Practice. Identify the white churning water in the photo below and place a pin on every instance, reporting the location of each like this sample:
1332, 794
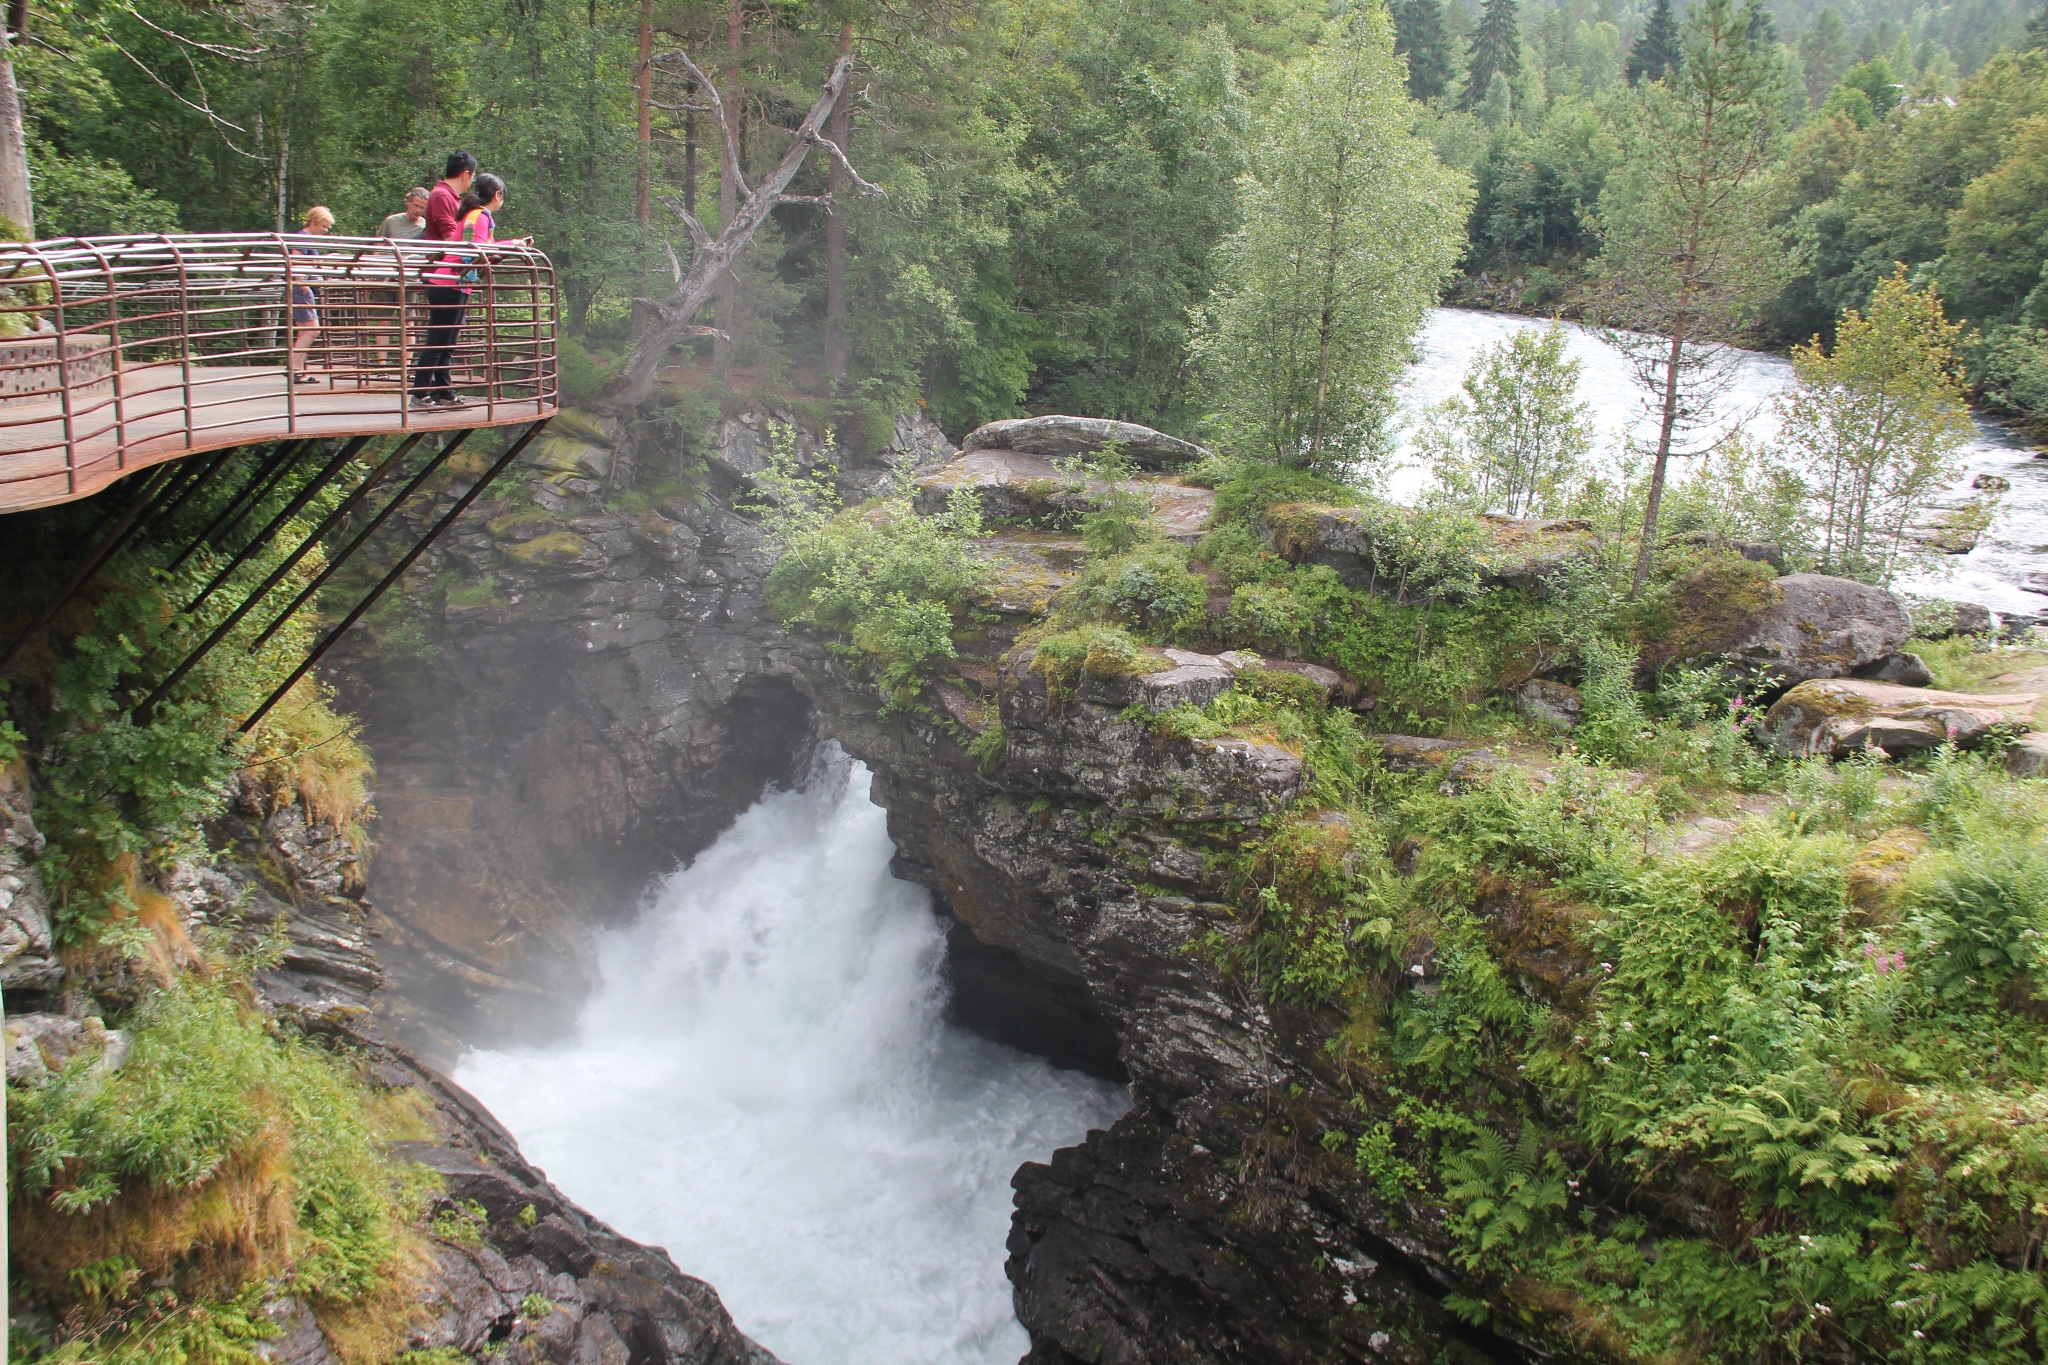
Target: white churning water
2008, 571
765, 1085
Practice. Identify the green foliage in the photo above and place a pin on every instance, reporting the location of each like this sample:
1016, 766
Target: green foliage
81, 197
1613, 724
1349, 230
880, 576
207, 1085
1505, 1197
1150, 588
1979, 917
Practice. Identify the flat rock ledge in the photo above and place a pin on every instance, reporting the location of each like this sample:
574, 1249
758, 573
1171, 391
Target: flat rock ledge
1839, 716
1056, 436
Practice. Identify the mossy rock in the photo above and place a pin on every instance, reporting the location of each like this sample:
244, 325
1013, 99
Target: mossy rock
555, 550
522, 525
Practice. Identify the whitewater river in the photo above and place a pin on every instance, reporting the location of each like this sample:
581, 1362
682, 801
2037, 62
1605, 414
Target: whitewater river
765, 1083
766, 1086
2012, 555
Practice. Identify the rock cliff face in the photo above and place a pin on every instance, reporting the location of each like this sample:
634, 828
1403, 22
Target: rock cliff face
617, 706
1208, 1225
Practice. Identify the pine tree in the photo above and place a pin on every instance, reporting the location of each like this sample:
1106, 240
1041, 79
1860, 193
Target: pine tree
1419, 36
2037, 30
1688, 250
1496, 47
1656, 53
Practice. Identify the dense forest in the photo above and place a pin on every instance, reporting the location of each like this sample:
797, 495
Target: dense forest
1060, 173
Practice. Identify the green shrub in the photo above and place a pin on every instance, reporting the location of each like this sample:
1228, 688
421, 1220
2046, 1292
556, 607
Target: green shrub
221, 1148
1149, 588
1612, 724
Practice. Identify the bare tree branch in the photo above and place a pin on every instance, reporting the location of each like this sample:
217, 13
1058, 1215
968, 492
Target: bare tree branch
728, 133
674, 319
233, 54
831, 149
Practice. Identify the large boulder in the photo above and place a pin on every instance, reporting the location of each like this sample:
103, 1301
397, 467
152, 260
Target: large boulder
1782, 631
1838, 716
1056, 436
1518, 552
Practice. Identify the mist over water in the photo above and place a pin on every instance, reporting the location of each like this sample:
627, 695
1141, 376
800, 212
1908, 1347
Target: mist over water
2010, 558
765, 1085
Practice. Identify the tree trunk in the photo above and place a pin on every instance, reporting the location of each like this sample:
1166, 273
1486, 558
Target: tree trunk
675, 318
1646, 552
690, 152
1315, 445
835, 235
728, 200
646, 106
17, 200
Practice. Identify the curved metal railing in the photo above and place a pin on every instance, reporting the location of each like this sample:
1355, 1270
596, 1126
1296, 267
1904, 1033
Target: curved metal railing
122, 352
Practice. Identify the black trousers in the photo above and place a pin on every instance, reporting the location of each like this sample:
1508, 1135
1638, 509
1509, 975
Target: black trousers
445, 307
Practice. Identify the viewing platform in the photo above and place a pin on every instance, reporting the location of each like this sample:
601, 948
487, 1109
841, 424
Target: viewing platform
119, 353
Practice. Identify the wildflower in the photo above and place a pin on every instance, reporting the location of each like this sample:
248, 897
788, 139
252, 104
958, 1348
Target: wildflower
1628, 1026
1919, 1265
1713, 1037
1417, 969
1607, 966
1805, 1240
1918, 1333
1604, 1060
1578, 1040
1644, 1055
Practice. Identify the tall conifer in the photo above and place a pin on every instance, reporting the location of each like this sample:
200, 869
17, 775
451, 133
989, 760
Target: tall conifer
1496, 47
1656, 51
1419, 36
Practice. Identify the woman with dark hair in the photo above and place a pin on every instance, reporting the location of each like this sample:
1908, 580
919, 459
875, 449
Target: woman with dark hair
450, 278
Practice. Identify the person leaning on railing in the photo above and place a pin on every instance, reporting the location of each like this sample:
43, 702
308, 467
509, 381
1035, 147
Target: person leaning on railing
457, 271
445, 304
406, 225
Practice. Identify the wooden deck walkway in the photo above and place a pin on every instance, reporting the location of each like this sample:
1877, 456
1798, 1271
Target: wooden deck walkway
229, 406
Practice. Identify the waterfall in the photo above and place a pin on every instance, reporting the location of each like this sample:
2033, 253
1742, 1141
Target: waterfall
764, 1084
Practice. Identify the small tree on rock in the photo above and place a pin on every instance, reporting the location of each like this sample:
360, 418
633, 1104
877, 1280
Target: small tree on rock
1689, 248
1516, 438
1351, 226
1880, 423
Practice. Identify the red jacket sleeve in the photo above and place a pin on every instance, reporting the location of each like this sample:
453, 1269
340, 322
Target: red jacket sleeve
444, 223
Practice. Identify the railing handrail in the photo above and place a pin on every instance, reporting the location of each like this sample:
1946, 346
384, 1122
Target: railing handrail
104, 339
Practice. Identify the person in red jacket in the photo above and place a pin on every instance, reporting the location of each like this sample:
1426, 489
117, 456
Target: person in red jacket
431, 384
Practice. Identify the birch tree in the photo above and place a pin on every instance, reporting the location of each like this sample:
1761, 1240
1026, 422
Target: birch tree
1688, 246
1518, 436
1351, 226
1879, 423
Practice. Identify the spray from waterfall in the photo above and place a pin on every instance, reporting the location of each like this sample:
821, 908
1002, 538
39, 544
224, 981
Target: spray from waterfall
765, 1085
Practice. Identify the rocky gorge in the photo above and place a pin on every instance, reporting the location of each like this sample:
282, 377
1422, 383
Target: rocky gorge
622, 690
1155, 862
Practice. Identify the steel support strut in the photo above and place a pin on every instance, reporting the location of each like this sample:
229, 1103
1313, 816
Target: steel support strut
267, 473
117, 535
327, 642
277, 576
334, 466
208, 467
335, 562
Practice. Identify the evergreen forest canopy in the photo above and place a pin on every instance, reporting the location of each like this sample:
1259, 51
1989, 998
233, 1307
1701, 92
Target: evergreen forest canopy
1071, 182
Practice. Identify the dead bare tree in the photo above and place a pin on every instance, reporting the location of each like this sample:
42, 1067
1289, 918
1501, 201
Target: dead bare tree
674, 319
